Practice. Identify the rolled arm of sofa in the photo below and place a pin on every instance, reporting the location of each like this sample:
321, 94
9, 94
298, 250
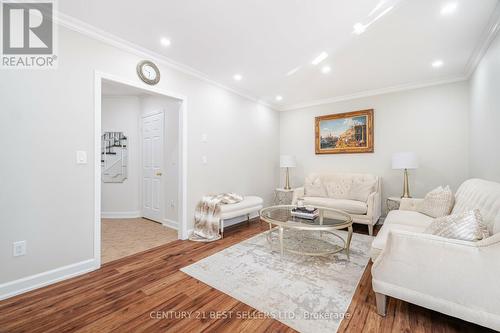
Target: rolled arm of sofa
299, 192
374, 203
410, 204
443, 274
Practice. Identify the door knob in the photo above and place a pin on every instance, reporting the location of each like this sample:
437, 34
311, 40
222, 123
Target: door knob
158, 173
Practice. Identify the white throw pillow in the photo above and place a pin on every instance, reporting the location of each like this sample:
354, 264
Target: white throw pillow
314, 188
361, 189
464, 226
339, 188
438, 202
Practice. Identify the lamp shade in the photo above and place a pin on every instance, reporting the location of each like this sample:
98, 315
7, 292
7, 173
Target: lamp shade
406, 160
287, 161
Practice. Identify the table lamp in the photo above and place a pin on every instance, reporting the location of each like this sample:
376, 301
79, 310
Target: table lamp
287, 161
405, 161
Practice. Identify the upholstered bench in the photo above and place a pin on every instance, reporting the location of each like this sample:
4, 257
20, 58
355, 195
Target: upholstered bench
249, 204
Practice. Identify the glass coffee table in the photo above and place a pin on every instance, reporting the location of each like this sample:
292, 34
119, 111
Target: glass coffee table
329, 221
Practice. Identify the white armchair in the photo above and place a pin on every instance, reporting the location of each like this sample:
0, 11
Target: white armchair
458, 278
365, 212
454, 277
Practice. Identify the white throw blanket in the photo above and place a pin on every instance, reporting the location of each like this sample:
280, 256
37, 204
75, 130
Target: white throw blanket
207, 216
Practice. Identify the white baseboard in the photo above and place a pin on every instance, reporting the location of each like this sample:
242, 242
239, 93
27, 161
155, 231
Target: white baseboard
39, 280
121, 215
171, 224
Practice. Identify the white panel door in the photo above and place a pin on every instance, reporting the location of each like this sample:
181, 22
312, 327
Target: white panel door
152, 166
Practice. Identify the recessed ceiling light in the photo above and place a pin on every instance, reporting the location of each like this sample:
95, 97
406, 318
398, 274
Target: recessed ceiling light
325, 69
437, 63
165, 41
449, 8
279, 98
322, 56
237, 77
359, 28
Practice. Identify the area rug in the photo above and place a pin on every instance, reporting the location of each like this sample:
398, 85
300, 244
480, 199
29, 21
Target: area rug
309, 294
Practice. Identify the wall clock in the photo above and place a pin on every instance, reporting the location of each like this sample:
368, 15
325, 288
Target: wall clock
148, 72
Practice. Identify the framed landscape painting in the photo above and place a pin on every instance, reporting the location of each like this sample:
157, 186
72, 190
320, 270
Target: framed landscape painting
341, 133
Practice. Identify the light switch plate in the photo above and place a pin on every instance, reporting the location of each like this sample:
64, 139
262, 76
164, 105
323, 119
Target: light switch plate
81, 157
204, 138
204, 159
19, 248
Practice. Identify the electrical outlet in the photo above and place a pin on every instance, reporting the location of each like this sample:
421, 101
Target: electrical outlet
172, 204
204, 159
19, 248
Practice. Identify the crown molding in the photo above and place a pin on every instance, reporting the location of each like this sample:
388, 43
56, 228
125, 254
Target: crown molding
488, 36
120, 43
375, 92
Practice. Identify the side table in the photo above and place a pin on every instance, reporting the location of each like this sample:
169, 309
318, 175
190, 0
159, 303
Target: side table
393, 203
282, 196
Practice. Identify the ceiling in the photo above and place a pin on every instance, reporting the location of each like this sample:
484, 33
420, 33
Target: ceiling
263, 40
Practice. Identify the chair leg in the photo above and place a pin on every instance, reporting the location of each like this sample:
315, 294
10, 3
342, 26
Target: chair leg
248, 219
370, 229
381, 300
222, 228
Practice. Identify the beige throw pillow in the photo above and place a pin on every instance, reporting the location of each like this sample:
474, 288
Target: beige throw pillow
339, 189
361, 189
314, 188
464, 226
438, 202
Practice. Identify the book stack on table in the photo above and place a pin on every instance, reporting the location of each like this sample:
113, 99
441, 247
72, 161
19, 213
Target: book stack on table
305, 213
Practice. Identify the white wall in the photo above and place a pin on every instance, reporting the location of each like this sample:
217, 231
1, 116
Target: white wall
46, 115
430, 121
122, 114
485, 116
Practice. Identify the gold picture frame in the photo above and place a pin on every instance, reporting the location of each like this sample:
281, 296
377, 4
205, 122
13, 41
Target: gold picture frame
345, 133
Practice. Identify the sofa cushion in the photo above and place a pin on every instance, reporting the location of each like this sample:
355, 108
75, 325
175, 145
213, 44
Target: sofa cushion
349, 206
438, 202
313, 187
339, 188
247, 202
378, 243
483, 195
361, 189
407, 217
466, 226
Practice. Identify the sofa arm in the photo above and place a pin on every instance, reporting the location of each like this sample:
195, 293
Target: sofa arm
374, 209
299, 192
410, 204
440, 273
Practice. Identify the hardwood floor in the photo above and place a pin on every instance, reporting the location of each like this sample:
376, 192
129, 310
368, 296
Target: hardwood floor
146, 292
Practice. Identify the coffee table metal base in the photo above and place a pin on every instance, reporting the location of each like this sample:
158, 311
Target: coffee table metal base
337, 248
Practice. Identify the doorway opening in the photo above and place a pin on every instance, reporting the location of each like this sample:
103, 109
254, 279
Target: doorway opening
140, 168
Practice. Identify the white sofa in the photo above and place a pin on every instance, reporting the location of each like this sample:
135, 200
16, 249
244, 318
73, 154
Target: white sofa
458, 278
364, 212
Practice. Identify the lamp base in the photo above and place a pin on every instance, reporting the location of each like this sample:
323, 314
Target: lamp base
287, 180
406, 187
